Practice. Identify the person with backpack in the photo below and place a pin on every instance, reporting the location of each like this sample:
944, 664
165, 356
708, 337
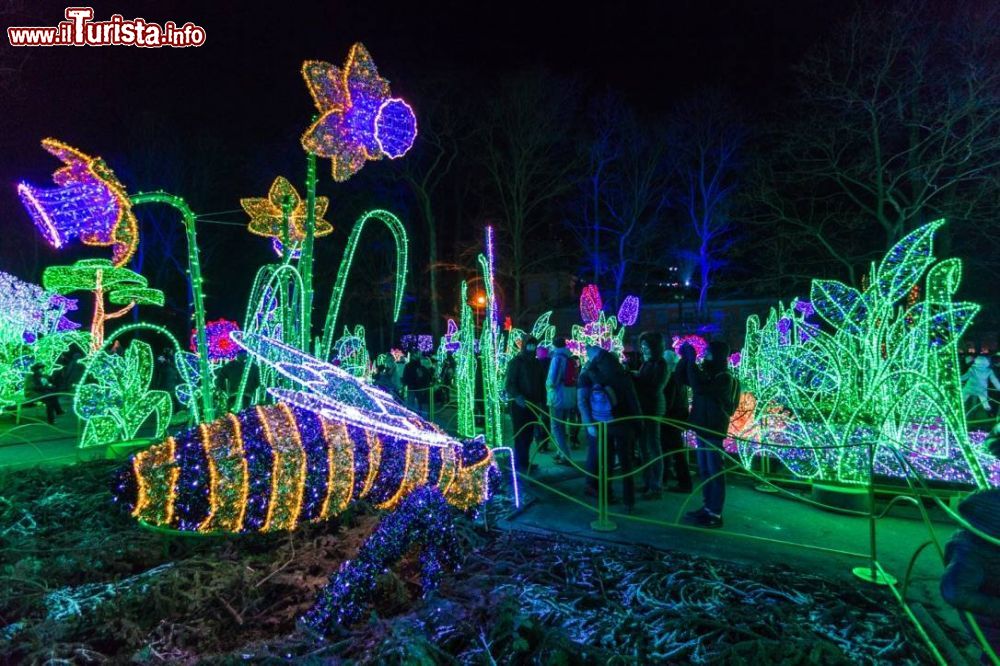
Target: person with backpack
650, 381
716, 393
525, 384
675, 397
560, 390
605, 393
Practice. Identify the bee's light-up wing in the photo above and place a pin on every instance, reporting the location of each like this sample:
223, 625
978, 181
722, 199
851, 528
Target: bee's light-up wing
337, 394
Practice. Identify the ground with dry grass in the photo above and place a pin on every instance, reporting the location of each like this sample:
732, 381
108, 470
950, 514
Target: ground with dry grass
82, 583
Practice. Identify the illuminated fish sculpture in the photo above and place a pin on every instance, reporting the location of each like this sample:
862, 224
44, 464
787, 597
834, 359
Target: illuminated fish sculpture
89, 203
359, 119
332, 442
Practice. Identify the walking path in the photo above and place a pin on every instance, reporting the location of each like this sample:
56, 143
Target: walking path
765, 528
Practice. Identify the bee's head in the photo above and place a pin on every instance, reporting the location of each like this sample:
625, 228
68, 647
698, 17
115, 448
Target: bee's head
476, 468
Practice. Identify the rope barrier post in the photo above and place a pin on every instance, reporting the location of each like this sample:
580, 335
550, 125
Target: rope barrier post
603, 523
872, 573
765, 471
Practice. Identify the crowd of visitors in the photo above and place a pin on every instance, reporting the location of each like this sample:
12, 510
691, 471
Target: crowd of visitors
643, 412
643, 408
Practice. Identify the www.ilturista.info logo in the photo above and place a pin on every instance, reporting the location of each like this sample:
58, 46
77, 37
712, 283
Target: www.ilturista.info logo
80, 30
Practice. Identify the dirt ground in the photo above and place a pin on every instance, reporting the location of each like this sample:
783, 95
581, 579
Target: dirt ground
82, 583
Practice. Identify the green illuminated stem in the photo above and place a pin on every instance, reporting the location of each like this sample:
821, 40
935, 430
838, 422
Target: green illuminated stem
280, 283
399, 235
286, 213
489, 348
306, 257
197, 295
465, 368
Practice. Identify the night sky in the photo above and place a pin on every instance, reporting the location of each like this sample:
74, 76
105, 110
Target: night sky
243, 91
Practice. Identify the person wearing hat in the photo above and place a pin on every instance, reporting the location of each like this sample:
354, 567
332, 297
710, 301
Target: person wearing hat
971, 581
525, 386
716, 393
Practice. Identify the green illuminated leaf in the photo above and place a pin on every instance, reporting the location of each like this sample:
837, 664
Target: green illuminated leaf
943, 279
100, 430
839, 304
139, 356
905, 263
83, 276
140, 295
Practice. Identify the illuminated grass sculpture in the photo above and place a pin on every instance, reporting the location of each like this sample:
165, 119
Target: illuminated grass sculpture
115, 405
33, 329
874, 370
351, 353
489, 348
465, 368
398, 232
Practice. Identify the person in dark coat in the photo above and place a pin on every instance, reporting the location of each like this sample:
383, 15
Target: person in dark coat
525, 384
38, 387
605, 392
675, 397
716, 393
971, 581
650, 381
417, 379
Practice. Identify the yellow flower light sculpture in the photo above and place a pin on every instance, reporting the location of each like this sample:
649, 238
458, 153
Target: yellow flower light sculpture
267, 213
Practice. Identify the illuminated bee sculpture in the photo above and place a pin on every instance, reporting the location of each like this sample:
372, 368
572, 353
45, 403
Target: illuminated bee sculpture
332, 442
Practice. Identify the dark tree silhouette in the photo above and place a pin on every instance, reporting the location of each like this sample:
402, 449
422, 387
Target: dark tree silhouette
897, 123
706, 146
425, 169
528, 160
623, 194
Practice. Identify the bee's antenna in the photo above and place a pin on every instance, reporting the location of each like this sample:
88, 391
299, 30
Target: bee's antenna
513, 472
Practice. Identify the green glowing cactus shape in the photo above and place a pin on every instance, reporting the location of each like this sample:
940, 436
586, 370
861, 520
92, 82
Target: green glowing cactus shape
120, 400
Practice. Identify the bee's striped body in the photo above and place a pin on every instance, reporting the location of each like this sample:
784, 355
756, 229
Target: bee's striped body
273, 467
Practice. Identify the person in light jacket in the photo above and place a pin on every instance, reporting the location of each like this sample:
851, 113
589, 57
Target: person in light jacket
560, 394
